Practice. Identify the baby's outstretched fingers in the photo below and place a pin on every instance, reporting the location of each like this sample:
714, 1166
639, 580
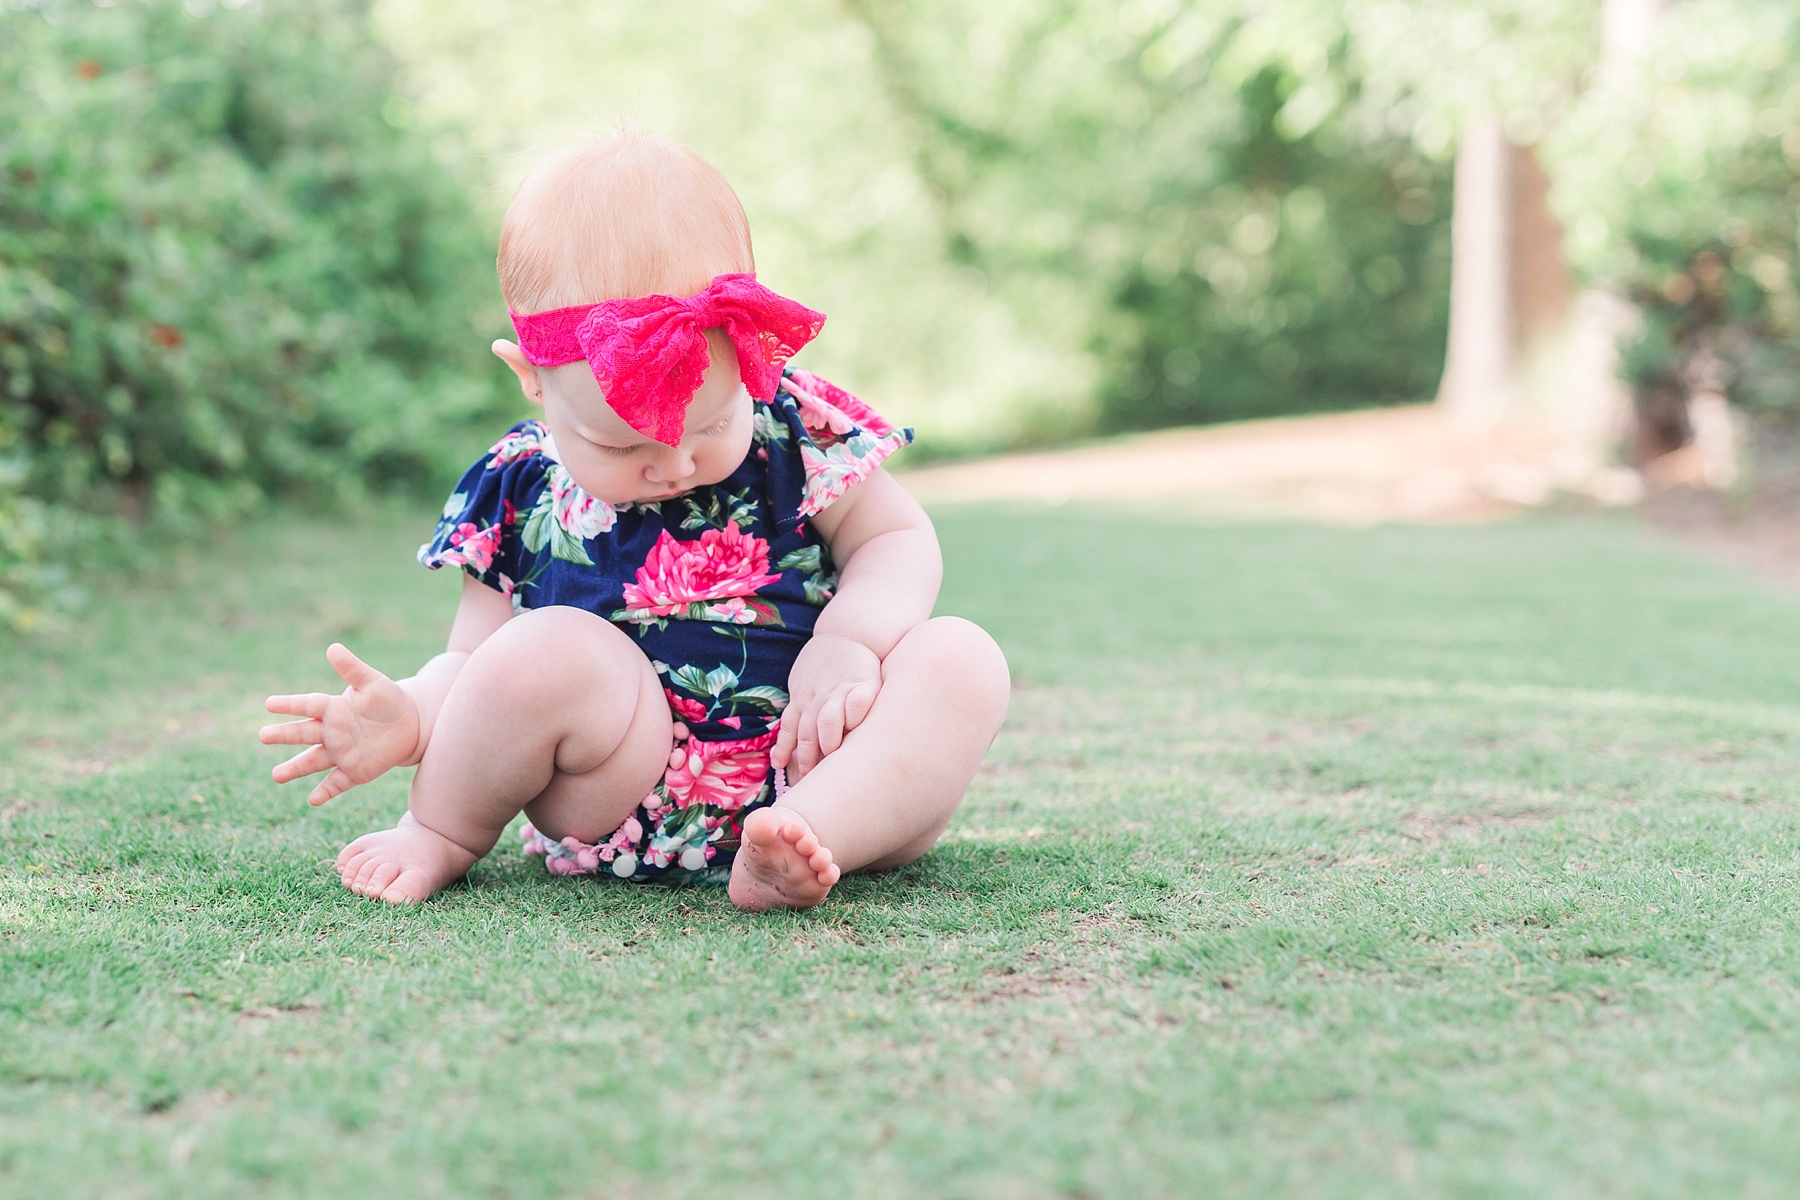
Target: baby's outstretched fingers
334, 784
292, 733
312, 704
366, 731
353, 670
309, 761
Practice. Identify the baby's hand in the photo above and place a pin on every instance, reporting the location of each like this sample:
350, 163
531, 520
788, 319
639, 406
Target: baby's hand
360, 735
830, 690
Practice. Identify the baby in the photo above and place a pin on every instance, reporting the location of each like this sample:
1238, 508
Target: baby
695, 639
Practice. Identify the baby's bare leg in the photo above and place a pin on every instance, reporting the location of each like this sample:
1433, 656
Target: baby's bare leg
886, 794
559, 714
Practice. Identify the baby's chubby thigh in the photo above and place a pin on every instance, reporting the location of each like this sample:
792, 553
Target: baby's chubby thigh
576, 701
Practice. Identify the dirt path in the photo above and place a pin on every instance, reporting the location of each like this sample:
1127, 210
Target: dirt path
1757, 525
1392, 464
1409, 464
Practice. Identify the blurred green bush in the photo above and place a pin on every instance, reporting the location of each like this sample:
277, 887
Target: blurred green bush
1679, 174
1312, 273
1198, 182
228, 271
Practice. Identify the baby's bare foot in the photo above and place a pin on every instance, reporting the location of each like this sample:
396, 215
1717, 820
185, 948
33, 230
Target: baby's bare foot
780, 863
402, 865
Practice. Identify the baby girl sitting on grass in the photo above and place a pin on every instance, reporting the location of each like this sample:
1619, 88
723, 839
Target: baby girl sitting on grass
695, 639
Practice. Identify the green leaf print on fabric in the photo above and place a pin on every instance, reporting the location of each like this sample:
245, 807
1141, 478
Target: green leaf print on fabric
564, 517
763, 695
541, 529
817, 578
719, 509
718, 690
688, 676
770, 429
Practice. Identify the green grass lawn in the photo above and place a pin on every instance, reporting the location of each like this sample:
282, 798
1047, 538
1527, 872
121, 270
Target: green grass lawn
1402, 862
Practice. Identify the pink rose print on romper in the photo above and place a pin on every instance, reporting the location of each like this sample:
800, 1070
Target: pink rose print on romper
575, 510
687, 710
522, 443
823, 405
725, 775
724, 564
472, 547
818, 414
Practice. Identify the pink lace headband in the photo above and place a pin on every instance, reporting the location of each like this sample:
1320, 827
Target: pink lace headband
649, 352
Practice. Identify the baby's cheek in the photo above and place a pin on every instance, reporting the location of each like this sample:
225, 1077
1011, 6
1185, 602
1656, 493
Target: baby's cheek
716, 463
603, 478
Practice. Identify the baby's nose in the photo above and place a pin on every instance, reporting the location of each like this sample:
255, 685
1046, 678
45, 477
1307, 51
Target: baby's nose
671, 467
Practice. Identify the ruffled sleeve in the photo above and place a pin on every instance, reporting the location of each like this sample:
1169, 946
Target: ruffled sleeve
480, 528
821, 442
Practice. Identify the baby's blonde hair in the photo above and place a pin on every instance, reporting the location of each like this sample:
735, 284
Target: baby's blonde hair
628, 215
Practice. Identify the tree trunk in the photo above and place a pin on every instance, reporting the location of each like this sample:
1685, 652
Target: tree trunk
1510, 296
1523, 345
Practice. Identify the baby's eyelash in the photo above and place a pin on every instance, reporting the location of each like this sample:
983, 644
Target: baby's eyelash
716, 428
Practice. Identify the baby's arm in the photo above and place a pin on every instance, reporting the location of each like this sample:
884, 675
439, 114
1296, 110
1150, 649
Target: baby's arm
377, 724
889, 569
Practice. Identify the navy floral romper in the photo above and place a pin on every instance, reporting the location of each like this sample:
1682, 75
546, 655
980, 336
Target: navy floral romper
720, 586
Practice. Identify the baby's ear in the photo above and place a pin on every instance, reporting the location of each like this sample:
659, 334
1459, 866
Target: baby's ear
529, 381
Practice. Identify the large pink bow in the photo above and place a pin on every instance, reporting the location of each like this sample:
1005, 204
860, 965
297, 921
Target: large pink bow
649, 353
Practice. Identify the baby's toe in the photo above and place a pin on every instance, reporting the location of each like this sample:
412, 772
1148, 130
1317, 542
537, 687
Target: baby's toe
762, 828
364, 874
402, 890
378, 881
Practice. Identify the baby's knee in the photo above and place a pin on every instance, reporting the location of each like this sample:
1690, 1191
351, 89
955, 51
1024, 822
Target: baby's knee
542, 645
962, 652
557, 628
961, 640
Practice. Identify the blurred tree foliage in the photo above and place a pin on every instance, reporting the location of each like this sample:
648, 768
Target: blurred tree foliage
224, 272
1312, 274
1679, 174
1239, 244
